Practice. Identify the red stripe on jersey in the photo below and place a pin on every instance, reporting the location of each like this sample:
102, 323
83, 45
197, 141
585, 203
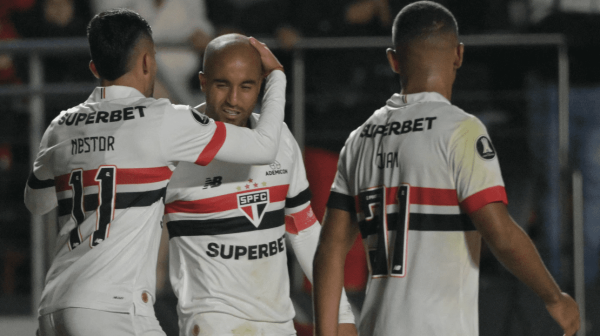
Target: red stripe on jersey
484, 197
215, 143
223, 202
424, 196
300, 220
420, 195
124, 176
433, 196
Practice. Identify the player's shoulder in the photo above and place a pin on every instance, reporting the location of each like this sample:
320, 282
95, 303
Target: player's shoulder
187, 113
378, 117
462, 118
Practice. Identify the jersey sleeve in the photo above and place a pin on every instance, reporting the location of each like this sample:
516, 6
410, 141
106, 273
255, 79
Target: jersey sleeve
40, 194
341, 196
190, 136
258, 145
298, 212
475, 167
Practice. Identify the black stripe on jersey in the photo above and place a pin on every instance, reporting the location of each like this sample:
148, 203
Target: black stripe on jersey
341, 201
425, 222
34, 183
123, 200
299, 199
221, 226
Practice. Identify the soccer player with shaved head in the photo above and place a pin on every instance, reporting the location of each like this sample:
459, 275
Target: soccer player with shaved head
228, 223
420, 181
105, 164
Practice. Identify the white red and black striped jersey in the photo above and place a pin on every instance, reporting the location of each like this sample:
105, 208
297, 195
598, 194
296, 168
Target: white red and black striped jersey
227, 226
106, 164
412, 173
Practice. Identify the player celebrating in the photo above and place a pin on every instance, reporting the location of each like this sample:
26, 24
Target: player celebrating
421, 178
228, 223
106, 164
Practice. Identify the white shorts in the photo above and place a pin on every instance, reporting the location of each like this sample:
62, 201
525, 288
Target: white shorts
217, 324
91, 322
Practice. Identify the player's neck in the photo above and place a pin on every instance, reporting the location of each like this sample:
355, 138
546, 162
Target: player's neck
125, 80
427, 84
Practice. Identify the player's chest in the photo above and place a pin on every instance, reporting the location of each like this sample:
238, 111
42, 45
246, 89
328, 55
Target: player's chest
236, 178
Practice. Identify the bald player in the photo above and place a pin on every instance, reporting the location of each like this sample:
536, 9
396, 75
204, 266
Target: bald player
228, 223
106, 164
420, 181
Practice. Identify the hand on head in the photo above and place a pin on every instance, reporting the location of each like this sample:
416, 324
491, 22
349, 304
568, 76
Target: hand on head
269, 61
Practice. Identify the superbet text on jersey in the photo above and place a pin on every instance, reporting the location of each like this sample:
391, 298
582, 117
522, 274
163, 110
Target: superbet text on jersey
227, 226
412, 173
106, 164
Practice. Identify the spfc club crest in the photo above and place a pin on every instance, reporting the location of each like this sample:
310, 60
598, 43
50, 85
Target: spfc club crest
254, 205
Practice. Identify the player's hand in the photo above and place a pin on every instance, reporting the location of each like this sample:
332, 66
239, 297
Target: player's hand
566, 312
347, 329
269, 61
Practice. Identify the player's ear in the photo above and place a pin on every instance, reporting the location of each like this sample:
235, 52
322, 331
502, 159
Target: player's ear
458, 59
146, 63
93, 69
393, 60
202, 78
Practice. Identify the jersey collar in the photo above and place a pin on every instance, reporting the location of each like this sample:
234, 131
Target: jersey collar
113, 92
398, 100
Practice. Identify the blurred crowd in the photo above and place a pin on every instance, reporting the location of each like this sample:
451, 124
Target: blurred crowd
195, 22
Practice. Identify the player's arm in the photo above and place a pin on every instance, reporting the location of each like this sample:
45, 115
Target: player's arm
480, 187
40, 194
259, 145
303, 230
515, 250
337, 237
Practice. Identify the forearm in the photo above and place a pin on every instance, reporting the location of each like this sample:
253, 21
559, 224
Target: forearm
305, 245
337, 237
520, 256
260, 145
515, 250
327, 289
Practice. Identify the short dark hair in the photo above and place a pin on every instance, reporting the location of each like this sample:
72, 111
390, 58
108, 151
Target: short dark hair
112, 36
421, 20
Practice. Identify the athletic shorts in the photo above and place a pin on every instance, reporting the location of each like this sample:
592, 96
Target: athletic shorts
218, 324
91, 322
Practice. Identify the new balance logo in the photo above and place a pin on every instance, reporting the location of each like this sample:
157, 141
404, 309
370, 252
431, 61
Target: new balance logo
213, 182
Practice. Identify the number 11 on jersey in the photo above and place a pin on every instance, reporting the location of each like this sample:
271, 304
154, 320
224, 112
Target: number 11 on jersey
385, 229
106, 176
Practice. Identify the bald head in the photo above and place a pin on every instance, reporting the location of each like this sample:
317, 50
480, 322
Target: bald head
231, 78
229, 45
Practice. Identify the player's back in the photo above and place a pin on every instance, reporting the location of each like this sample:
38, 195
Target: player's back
423, 253
107, 158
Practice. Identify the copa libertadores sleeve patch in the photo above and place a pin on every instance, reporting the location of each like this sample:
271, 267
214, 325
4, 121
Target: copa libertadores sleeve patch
201, 118
485, 149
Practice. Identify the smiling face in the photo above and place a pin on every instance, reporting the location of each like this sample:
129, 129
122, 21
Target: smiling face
231, 81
